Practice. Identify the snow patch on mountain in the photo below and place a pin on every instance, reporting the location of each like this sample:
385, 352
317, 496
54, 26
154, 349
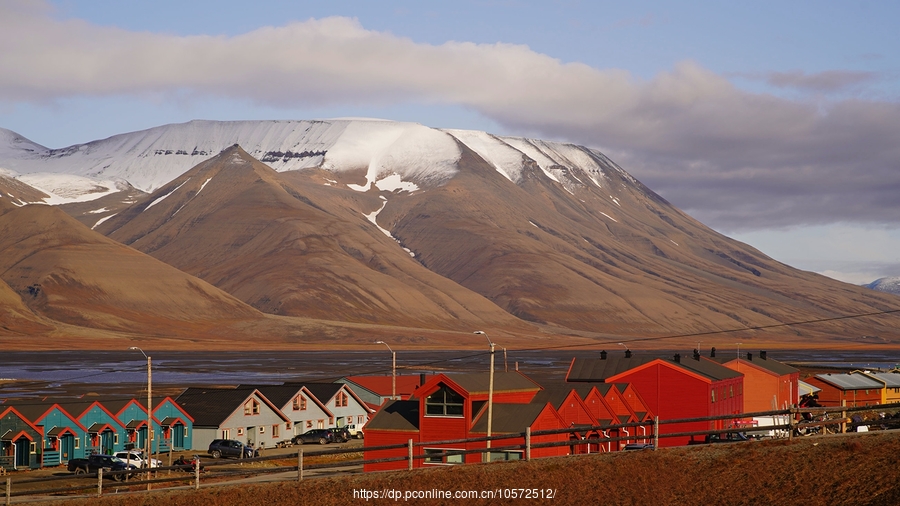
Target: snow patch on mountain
67, 188
160, 199
503, 157
373, 218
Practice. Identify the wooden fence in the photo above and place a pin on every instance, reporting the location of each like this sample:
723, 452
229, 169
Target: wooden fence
224, 471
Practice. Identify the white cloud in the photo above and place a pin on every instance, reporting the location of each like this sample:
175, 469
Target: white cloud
736, 160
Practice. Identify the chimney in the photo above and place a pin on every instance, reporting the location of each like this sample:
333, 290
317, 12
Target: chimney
696, 354
627, 353
712, 352
678, 357
762, 355
749, 357
421, 379
603, 355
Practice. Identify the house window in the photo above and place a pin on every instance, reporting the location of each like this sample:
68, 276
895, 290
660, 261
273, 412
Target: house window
275, 431
185, 432
433, 456
497, 456
287, 426
299, 403
226, 434
320, 424
309, 424
251, 407
340, 401
116, 439
349, 420
731, 391
444, 402
32, 447
359, 420
240, 431
330, 420
77, 443
713, 395
262, 429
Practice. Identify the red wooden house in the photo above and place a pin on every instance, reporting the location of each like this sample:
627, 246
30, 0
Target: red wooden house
454, 407
670, 388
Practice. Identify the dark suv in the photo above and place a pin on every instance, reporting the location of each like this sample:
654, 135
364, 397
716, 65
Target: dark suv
321, 436
231, 448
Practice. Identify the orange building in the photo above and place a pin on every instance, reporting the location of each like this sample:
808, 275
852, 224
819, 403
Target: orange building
768, 384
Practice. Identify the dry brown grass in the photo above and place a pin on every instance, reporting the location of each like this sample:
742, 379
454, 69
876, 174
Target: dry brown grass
856, 469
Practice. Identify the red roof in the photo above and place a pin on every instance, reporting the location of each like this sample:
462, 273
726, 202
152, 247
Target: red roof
381, 385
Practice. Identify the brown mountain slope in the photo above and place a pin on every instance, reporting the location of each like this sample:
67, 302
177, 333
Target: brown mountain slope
18, 193
615, 259
293, 246
65, 272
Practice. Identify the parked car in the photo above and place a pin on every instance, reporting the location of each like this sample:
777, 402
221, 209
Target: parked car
321, 436
355, 432
340, 434
108, 463
727, 437
231, 448
638, 446
136, 457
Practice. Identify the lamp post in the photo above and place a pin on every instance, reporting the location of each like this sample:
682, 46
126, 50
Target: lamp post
393, 369
490, 391
149, 412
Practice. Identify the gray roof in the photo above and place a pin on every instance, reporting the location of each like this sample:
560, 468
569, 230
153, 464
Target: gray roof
478, 382
852, 381
599, 369
396, 415
767, 363
209, 407
891, 379
509, 418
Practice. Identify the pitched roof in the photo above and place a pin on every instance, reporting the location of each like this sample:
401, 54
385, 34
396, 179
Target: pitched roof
396, 415
509, 418
479, 382
851, 381
209, 407
599, 369
381, 385
762, 361
891, 379
281, 395
556, 392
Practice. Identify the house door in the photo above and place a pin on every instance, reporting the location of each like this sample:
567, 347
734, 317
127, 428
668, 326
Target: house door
23, 456
251, 436
178, 436
66, 447
106, 441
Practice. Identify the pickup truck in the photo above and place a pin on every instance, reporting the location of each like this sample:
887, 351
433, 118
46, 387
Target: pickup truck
108, 463
136, 457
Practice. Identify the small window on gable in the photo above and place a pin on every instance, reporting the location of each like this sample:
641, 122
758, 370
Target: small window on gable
444, 402
341, 400
251, 407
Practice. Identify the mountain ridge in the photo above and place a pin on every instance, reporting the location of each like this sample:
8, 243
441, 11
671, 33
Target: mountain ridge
399, 224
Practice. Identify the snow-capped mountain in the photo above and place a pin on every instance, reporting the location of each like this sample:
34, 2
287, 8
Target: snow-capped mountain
889, 285
384, 226
388, 154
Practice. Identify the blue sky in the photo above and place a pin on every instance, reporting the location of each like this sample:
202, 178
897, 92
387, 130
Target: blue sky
773, 122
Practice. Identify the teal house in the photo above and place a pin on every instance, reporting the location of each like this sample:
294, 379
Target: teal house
63, 434
177, 426
105, 433
20, 441
133, 416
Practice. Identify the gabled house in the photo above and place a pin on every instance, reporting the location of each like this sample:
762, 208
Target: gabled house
105, 433
176, 425
769, 385
452, 407
670, 388
345, 406
20, 441
305, 410
133, 415
63, 434
243, 414
847, 389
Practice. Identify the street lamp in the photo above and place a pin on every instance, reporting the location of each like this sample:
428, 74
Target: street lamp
393, 369
149, 415
490, 391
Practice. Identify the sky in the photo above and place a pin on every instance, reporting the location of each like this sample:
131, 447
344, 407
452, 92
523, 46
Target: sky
776, 123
